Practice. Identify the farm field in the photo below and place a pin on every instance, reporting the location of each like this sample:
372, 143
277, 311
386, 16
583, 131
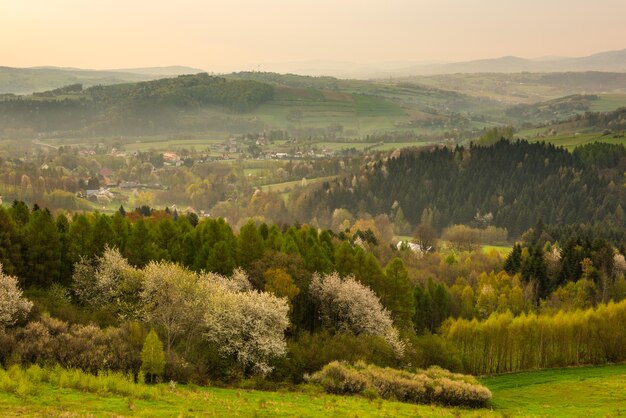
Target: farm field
608, 102
173, 144
575, 392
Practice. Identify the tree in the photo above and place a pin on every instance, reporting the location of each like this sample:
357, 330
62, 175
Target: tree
169, 241
513, 262
43, 249
110, 282
221, 258
402, 226
248, 325
140, 247
12, 305
279, 283
80, 238
153, 357
172, 301
425, 236
461, 237
397, 293
250, 244
346, 305
103, 235
10, 251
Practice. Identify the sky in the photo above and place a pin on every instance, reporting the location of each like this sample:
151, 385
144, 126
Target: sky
220, 35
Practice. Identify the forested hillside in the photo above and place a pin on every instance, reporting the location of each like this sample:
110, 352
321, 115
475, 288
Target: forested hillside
515, 184
134, 109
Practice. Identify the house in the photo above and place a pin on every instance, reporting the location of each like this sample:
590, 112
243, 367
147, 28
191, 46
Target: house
102, 195
171, 157
416, 248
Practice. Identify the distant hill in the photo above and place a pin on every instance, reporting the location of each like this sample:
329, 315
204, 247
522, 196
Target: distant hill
300, 106
613, 61
173, 70
246, 102
29, 80
163, 105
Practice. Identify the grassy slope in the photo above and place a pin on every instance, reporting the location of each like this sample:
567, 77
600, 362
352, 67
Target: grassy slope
212, 402
585, 391
573, 392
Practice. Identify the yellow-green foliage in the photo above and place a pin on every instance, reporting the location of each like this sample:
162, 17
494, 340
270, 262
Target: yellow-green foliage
25, 382
434, 385
505, 343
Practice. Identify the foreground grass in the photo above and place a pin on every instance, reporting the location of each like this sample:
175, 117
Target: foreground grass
50, 401
573, 392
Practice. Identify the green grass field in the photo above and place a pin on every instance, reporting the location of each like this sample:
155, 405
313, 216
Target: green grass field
502, 249
573, 392
608, 102
571, 141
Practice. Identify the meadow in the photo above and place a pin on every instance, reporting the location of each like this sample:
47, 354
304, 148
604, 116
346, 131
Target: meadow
571, 141
573, 392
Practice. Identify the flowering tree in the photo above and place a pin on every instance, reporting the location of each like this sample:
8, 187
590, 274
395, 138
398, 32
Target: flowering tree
247, 324
349, 306
111, 280
12, 305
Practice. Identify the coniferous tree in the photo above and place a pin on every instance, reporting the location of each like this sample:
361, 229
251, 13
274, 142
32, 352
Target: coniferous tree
140, 247
250, 244
397, 293
80, 239
10, 248
43, 250
103, 234
513, 262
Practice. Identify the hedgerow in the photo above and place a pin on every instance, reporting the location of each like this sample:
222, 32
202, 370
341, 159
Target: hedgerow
434, 385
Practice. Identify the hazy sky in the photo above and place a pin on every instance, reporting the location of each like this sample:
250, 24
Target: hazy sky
220, 34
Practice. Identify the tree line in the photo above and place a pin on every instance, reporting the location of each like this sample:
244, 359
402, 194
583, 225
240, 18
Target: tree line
506, 343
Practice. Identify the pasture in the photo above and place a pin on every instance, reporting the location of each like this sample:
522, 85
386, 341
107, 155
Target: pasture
573, 392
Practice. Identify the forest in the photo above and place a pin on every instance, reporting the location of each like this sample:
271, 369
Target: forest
104, 290
515, 183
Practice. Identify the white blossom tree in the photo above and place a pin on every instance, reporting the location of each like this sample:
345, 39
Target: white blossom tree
248, 325
349, 306
13, 305
111, 280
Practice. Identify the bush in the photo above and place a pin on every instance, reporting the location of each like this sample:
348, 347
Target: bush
336, 378
434, 385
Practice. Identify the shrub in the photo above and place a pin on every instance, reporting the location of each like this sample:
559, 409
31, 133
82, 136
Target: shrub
339, 379
434, 385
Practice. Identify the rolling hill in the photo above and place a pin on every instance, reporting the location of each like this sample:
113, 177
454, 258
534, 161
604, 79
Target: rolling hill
29, 80
611, 61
